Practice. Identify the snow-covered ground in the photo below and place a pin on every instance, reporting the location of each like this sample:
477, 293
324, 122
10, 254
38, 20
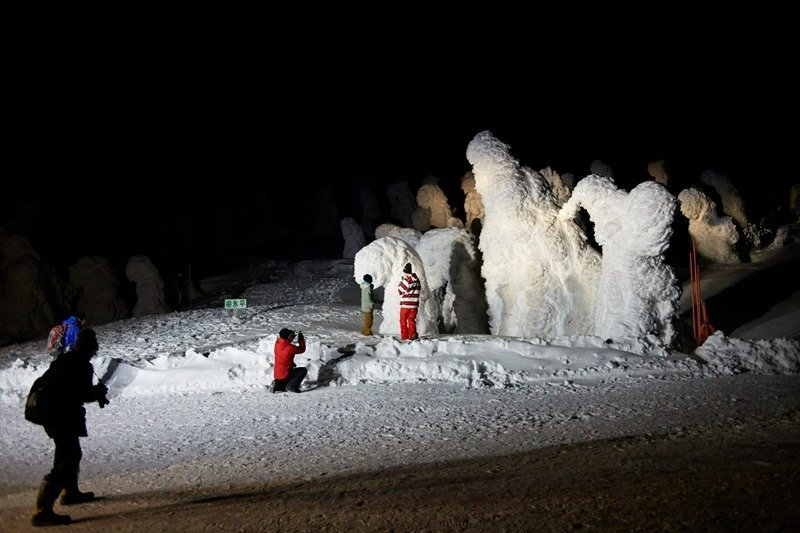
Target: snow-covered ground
190, 404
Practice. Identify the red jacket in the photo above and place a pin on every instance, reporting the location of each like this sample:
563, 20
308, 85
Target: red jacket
284, 356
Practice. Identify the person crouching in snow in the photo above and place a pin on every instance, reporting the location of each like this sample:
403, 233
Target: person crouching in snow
287, 374
408, 288
367, 304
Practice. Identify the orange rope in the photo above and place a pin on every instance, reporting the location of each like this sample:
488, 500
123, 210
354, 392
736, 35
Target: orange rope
701, 325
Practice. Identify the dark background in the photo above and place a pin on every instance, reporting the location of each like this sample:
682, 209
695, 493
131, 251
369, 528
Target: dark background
183, 170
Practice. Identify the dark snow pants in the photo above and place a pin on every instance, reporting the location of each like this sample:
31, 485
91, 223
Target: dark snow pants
292, 383
66, 461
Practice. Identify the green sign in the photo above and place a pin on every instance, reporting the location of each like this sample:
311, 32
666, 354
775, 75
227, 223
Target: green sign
235, 304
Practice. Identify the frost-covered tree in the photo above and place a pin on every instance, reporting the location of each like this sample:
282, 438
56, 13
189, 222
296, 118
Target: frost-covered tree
637, 293
560, 190
431, 198
451, 264
714, 236
383, 259
411, 236
658, 172
149, 286
353, 237
540, 272
732, 204
599, 168
323, 211
421, 219
401, 202
473, 204
30, 299
97, 286
370, 210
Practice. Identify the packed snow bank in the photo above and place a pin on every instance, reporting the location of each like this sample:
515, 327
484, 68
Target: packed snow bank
734, 356
465, 360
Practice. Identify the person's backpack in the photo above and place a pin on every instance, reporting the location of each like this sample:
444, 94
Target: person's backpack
39, 407
55, 340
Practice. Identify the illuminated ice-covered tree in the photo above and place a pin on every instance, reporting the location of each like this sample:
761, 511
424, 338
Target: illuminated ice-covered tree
384, 259
473, 205
658, 172
559, 189
453, 274
732, 204
540, 272
714, 236
411, 236
637, 293
431, 199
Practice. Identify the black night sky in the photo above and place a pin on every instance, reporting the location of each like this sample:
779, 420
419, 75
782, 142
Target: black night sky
153, 168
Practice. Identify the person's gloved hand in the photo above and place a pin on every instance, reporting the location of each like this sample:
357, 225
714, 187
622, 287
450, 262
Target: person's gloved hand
300, 337
103, 401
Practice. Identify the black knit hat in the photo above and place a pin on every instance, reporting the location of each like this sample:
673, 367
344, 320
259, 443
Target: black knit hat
407, 268
367, 278
286, 333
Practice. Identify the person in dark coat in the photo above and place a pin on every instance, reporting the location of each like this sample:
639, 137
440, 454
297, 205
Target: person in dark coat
70, 381
287, 374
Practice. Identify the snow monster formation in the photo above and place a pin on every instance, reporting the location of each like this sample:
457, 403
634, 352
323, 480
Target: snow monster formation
732, 204
540, 272
384, 259
149, 286
401, 202
560, 190
97, 286
714, 236
433, 210
658, 172
451, 264
473, 204
30, 297
411, 236
637, 293
353, 237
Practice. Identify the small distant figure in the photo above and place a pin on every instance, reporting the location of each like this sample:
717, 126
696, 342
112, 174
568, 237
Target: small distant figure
409, 289
69, 385
367, 304
74, 325
287, 375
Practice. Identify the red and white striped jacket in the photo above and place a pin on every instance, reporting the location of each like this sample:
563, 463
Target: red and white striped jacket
409, 290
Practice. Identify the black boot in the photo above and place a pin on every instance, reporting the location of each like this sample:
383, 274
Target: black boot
75, 496
44, 516
72, 493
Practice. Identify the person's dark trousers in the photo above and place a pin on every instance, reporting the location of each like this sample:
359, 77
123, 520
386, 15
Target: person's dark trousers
67, 460
296, 376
